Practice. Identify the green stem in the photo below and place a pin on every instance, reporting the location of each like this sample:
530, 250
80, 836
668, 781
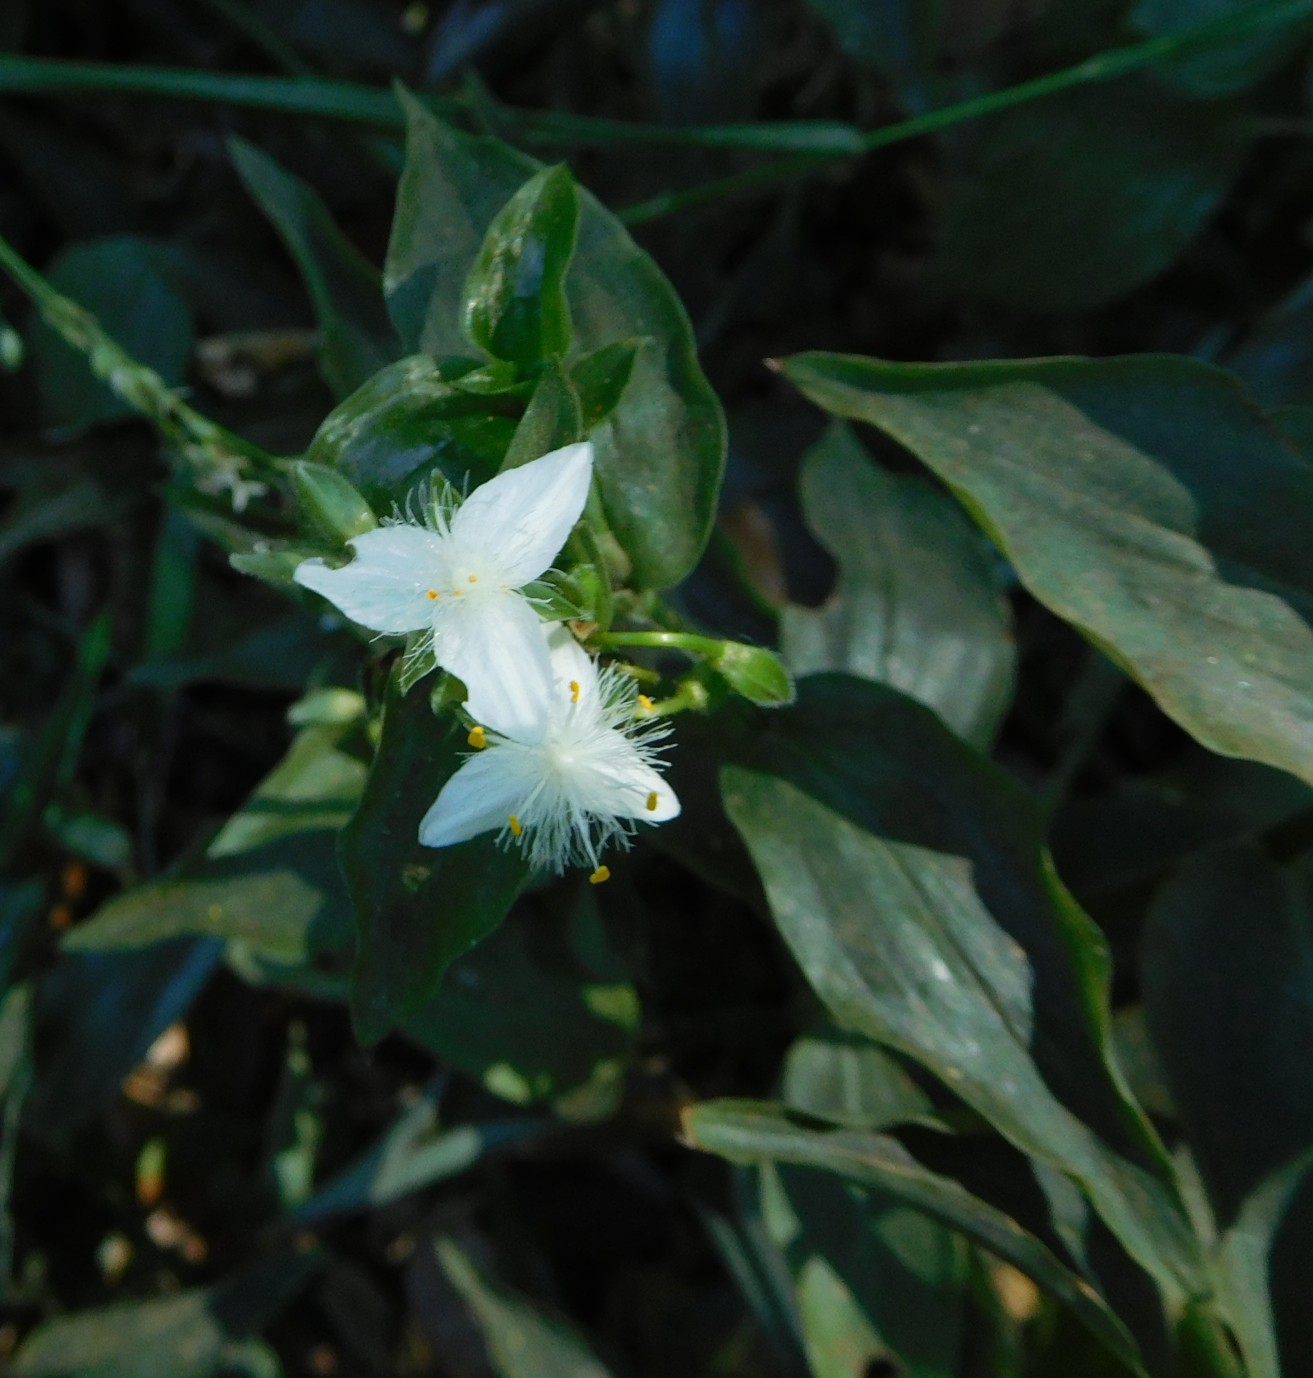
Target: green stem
221, 459
675, 641
1104, 66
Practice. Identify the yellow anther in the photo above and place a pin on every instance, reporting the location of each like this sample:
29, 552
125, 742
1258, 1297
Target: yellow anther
645, 703
478, 738
474, 578
602, 873
652, 802
433, 593
574, 691
516, 826
457, 593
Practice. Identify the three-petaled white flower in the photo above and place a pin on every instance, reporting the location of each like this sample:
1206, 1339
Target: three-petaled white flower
457, 577
577, 779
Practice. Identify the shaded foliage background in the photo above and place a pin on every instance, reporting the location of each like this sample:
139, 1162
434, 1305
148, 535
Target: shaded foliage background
195, 1133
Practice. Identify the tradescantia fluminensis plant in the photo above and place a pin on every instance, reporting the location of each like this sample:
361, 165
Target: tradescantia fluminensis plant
490, 527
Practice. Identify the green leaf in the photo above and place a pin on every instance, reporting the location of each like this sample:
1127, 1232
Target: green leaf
124, 282
916, 604
408, 422
191, 1335
515, 305
876, 1283
551, 419
355, 337
417, 908
600, 379
521, 1340
1223, 68
413, 1154
750, 1132
330, 506
1142, 500
911, 885
97, 1013
525, 1016
661, 450
1228, 991
270, 879
1076, 200
847, 1081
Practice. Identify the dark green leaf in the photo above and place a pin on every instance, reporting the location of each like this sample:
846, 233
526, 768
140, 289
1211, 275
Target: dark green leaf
413, 1154
355, 338
190, 1335
417, 908
749, 1132
876, 1283
1224, 67
408, 422
1228, 988
97, 1013
551, 419
911, 884
521, 1340
515, 304
916, 604
1141, 499
524, 1016
123, 282
660, 452
601, 377
1075, 200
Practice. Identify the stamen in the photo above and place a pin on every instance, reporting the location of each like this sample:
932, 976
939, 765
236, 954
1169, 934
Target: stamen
574, 691
652, 802
433, 593
457, 593
516, 826
645, 703
474, 578
478, 738
602, 873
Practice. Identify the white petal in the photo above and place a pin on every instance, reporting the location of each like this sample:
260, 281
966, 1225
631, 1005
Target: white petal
571, 664
481, 796
646, 796
494, 642
518, 521
386, 586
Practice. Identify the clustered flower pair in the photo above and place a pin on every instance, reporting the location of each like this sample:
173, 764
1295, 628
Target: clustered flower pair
564, 758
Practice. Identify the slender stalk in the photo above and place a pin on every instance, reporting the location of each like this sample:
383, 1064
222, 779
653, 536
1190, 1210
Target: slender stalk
1106, 66
220, 459
674, 641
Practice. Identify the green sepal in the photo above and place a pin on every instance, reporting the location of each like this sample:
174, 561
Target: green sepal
329, 504
418, 660
755, 673
274, 566
515, 306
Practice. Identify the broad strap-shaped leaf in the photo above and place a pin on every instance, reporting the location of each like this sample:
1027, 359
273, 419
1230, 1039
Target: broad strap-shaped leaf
661, 449
909, 880
1228, 992
1143, 500
753, 1132
355, 338
418, 908
1076, 200
916, 604
522, 1341
192, 1334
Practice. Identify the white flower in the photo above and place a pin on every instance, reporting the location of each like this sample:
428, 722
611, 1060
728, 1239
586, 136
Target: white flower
577, 781
456, 576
